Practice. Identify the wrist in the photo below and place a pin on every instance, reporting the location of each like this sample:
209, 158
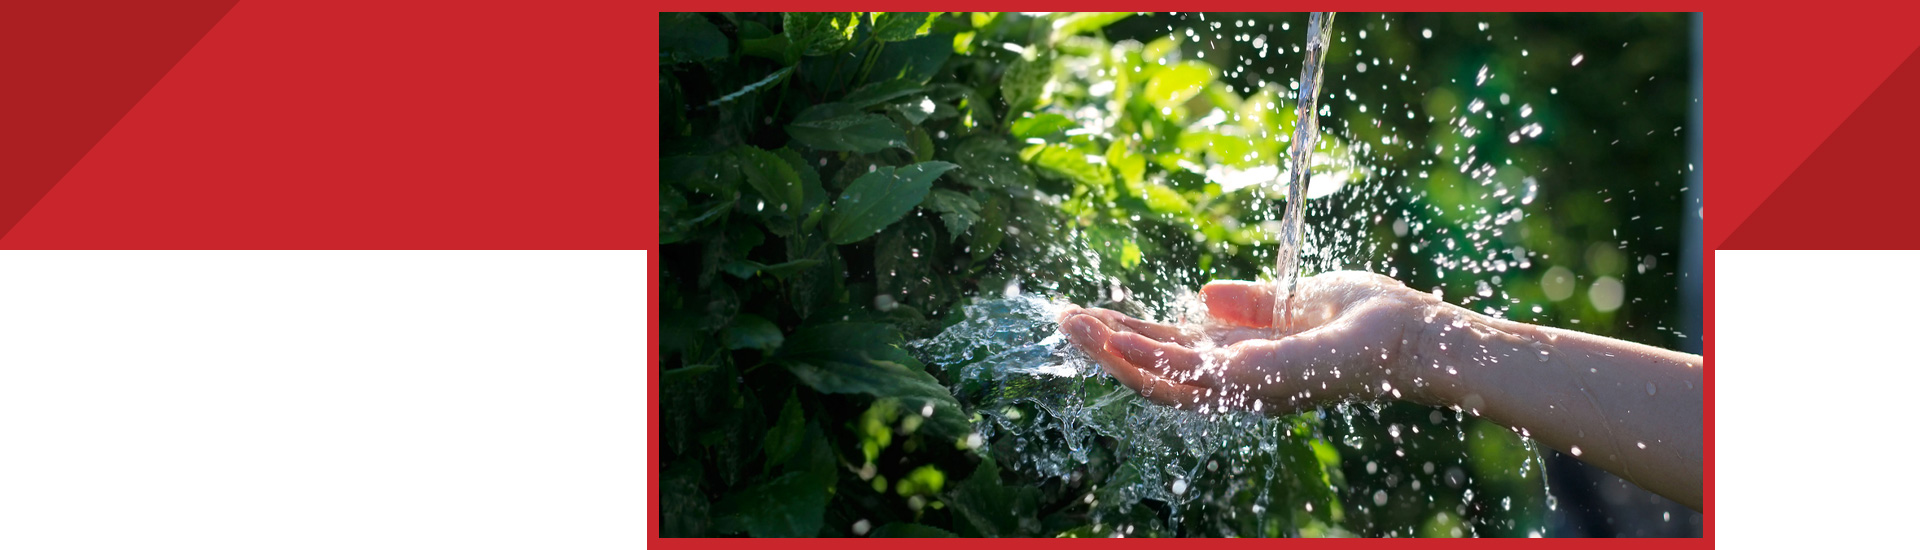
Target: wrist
1430, 362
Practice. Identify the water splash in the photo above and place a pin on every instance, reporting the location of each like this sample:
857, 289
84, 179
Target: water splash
1137, 468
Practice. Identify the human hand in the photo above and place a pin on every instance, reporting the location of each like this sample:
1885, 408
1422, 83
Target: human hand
1352, 332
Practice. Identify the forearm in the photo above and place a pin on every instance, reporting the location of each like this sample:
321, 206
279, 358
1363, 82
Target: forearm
1631, 409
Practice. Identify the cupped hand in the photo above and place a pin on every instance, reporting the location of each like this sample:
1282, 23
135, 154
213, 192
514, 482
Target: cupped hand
1351, 332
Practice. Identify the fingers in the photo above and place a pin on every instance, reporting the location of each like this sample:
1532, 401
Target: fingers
1170, 361
1120, 322
1093, 336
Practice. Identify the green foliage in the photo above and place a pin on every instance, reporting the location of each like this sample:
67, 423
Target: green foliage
836, 184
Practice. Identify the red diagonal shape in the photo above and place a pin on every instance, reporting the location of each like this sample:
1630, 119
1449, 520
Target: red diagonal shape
71, 70
1856, 191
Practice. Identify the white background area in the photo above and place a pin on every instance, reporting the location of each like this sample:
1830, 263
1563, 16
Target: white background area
1815, 372
323, 399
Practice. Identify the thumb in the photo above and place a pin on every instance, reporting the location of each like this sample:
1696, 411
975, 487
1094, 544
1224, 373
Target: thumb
1244, 303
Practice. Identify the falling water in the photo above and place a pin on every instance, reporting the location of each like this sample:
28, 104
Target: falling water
1286, 266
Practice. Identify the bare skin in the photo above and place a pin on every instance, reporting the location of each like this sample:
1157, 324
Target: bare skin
1630, 409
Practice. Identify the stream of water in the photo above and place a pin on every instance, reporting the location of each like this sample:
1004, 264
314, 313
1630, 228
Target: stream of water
1286, 268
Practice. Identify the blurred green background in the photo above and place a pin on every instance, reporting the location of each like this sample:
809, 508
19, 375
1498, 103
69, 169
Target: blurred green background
837, 184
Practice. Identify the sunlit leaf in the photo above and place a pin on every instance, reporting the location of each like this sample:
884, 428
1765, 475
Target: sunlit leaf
814, 33
1178, 83
898, 26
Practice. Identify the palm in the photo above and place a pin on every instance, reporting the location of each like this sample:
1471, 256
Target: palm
1348, 330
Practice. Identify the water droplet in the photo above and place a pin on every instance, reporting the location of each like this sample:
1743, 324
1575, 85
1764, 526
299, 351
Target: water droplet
1577, 58
1179, 486
1575, 450
1650, 388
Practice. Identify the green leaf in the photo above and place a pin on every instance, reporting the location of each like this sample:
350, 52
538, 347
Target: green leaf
746, 269
1164, 200
1025, 82
916, 109
882, 92
988, 162
988, 238
843, 127
865, 358
690, 390
1132, 167
776, 182
683, 505
783, 440
991, 509
813, 195
1085, 22
751, 331
815, 33
899, 530
880, 198
689, 37
791, 505
1041, 126
1072, 164
917, 60
1178, 83
922, 144
956, 209
898, 26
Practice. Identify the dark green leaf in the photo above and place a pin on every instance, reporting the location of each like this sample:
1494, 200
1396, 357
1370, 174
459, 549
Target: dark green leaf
751, 331
993, 230
791, 505
866, 358
746, 269
898, 26
916, 60
683, 505
688, 390
916, 109
957, 210
784, 439
882, 92
988, 162
922, 144
880, 198
776, 182
815, 33
909, 531
813, 195
843, 127
776, 47
688, 37
983, 507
